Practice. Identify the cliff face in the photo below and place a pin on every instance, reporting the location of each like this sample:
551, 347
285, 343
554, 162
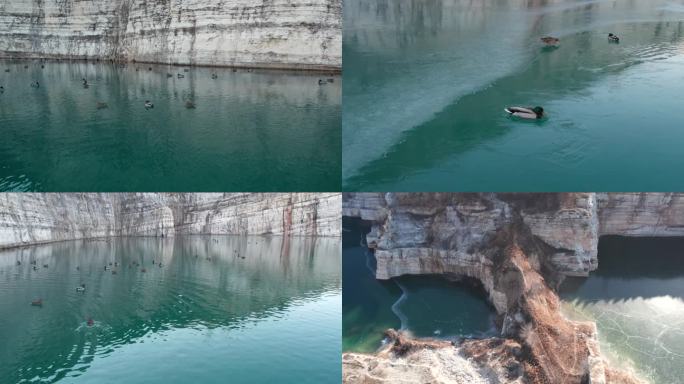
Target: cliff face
519, 246
273, 33
31, 218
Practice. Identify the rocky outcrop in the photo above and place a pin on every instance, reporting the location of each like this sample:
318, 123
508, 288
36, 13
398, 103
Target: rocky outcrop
32, 218
277, 34
520, 246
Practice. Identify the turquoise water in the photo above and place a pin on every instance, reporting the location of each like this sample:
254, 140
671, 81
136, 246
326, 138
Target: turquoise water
636, 298
426, 84
249, 131
207, 315
425, 306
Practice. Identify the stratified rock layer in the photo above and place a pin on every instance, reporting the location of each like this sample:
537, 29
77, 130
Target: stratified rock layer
32, 218
276, 33
520, 246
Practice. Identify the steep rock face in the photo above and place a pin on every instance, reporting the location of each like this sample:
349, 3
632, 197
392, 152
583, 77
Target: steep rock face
641, 214
520, 246
31, 218
274, 33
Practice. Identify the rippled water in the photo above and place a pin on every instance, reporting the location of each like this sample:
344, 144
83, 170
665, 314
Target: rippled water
636, 298
249, 131
426, 83
425, 306
207, 315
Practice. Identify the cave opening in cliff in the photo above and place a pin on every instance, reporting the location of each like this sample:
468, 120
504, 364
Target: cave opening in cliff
438, 306
636, 298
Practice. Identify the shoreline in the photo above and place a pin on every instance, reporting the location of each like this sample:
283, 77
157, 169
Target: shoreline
330, 70
105, 238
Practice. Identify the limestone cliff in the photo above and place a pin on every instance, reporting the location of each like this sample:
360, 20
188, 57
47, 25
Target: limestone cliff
519, 246
267, 33
31, 218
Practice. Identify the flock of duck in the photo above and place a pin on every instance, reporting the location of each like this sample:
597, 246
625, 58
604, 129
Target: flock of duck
534, 113
189, 104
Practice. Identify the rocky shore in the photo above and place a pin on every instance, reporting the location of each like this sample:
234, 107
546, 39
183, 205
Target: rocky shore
520, 247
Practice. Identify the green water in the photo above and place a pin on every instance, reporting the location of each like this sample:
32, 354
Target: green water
273, 316
636, 298
426, 84
425, 306
249, 131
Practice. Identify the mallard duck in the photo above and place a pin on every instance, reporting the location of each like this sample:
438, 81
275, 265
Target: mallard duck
526, 112
189, 104
613, 38
180, 75
37, 303
550, 40
148, 104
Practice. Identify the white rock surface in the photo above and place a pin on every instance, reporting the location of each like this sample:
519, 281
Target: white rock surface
31, 218
302, 34
421, 233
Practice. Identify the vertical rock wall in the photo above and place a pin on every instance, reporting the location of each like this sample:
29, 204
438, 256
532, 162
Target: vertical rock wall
255, 33
31, 218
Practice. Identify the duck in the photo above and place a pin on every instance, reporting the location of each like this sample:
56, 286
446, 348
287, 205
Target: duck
214, 76
37, 303
149, 69
102, 105
80, 288
114, 272
7, 70
35, 84
331, 80
168, 75
148, 104
526, 112
613, 38
186, 70
180, 75
18, 262
90, 322
85, 83
321, 81
189, 104
143, 270
550, 40
2, 89
45, 265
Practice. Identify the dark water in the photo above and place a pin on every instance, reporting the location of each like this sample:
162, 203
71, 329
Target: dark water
426, 83
636, 298
273, 316
426, 306
249, 131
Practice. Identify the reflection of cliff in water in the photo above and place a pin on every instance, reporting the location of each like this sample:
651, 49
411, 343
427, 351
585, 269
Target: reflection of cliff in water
204, 282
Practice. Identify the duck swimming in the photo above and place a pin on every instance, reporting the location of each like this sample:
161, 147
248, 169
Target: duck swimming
526, 112
550, 40
148, 104
80, 288
321, 81
180, 76
189, 104
214, 76
35, 85
613, 38
85, 83
37, 303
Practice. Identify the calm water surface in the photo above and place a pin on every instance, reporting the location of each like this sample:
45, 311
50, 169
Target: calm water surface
426, 83
249, 131
425, 306
207, 315
636, 298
